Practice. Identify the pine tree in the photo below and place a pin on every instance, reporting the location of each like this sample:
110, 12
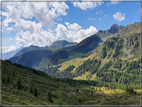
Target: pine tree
49, 95
8, 79
77, 90
19, 84
13, 74
35, 93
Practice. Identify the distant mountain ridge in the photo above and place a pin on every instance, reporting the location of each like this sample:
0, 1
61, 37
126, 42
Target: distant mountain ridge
79, 50
27, 49
57, 44
8, 55
82, 49
62, 44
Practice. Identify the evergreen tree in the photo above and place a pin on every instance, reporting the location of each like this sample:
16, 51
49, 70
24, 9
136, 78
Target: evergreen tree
8, 79
77, 90
49, 95
35, 92
19, 84
79, 100
13, 74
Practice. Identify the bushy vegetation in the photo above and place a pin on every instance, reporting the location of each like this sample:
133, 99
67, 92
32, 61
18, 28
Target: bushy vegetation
31, 87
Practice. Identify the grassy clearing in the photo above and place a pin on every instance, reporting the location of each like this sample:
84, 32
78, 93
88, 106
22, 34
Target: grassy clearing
76, 62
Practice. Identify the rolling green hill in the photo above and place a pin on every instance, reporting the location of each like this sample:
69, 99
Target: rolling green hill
25, 86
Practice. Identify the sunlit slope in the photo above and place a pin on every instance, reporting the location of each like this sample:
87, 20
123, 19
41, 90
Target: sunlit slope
117, 55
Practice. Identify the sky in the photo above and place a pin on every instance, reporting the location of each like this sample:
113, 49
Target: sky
42, 23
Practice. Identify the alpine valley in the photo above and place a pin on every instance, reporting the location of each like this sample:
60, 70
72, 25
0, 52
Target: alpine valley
103, 69
112, 55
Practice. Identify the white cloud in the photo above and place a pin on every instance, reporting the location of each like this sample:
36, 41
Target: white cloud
45, 12
40, 33
38, 36
9, 49
119, 16
74, 32
30, 32
86, 5
10, 28
41, 38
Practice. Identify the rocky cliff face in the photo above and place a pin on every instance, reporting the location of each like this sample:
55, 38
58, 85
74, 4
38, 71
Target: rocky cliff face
129, 42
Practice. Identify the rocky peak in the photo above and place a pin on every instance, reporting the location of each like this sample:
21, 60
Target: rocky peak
121, 27
114, 29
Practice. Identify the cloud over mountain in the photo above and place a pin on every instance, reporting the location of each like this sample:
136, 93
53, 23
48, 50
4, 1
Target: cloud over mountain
74, 32
119, 16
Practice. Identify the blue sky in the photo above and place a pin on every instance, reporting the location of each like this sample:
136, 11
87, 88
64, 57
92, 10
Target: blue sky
130, 9
27, 23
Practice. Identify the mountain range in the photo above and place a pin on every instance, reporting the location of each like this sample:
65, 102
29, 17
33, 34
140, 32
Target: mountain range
84, 46
57, 44
108, 55
8, 55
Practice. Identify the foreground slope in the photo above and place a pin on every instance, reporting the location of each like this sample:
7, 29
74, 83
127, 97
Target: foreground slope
25, 86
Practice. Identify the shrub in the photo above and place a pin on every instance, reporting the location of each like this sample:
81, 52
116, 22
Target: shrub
130, 90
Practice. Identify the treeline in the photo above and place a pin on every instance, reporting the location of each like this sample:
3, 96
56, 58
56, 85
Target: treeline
108, 78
